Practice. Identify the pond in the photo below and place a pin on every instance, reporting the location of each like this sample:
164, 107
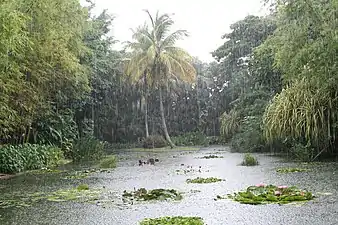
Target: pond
172, 172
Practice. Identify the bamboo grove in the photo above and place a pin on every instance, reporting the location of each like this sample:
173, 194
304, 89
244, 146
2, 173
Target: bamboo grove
273, 85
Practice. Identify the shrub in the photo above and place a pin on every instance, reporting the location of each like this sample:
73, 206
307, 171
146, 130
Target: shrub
249, 137
229, 123
249, 160
87, 148
14, 159
191, 138
154, 141
108, 162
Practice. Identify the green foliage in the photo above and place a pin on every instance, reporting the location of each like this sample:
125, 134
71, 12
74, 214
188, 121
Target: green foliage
302, 111
14, 159
175, 220
191, 139
82, 187
201, 180
301, 152
262, 194
108, 162
154, 141
86, 149
304, 49
156, 194
249, 160
229, 123
249, 138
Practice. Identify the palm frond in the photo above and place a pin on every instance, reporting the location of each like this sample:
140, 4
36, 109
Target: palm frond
171, 39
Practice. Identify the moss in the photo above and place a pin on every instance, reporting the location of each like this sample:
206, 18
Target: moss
291, 170
176, 220
156, 194
249, 160
264, 194
200, 180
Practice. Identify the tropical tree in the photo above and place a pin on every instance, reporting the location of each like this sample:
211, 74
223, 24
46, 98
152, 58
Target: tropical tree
160, 58
138, 65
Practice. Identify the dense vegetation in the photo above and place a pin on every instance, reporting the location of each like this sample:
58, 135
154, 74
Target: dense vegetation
273, 87
282, 79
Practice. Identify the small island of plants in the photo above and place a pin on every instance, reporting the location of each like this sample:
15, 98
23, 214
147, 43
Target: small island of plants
143, 194
201, 180
175, 220
291, 170
265, 194
211, 157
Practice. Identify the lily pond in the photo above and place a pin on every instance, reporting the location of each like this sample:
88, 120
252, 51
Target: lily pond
182, 183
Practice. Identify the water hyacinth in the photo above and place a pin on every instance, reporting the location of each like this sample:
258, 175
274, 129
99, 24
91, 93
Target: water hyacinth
264, 194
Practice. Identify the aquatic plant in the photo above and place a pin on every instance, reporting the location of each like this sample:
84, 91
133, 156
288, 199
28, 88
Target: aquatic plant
249, 160
201, 180
211, 157
291, 170
81, 193
108, 162
155, 194
81, 174
175, 220
265, 194
44, 171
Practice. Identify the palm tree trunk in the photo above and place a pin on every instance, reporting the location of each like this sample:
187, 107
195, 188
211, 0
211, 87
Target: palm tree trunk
167, 137
146, 106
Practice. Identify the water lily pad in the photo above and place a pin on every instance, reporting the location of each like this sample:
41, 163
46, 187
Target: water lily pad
264, 194
211, 157
201, 180
176, 220
156, 194
291, 170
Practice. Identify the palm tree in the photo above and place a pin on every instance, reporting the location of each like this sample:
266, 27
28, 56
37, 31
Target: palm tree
162, 60
138, 66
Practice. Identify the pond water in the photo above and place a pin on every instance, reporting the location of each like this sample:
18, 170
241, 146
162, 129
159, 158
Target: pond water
128, 175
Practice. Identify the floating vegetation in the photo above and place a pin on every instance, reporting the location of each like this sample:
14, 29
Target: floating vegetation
108, 162
200, 180
291, 170
81, 193
215, 153
44, 171
249, 160
265, 194
211, 157
175, 220
82, 174
189, 169
156, 194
